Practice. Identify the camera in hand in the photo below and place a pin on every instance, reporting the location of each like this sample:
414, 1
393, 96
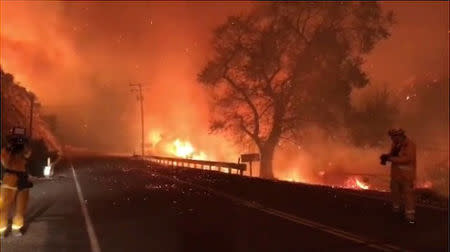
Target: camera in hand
16, 141
394, 153
16, 144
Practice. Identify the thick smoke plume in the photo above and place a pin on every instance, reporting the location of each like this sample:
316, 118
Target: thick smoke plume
80, 58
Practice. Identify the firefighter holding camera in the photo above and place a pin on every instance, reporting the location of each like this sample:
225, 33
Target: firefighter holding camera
15, 184
403, 173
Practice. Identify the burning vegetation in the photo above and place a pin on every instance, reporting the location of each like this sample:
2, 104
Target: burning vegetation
159, 145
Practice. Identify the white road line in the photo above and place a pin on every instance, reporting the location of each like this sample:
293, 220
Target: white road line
95, 247
312, 224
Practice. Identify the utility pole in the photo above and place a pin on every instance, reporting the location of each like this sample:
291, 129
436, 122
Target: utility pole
141, 99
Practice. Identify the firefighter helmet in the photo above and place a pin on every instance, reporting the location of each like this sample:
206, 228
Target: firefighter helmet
396, 132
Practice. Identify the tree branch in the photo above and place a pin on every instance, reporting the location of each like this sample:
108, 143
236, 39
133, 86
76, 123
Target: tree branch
249, 103
268, 90
269, 105
247, 131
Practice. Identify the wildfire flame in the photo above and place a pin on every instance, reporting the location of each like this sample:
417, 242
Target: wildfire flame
200, 156
155, 138
293, 175
361, 185
184, 149
161, 145
355, 183
292, 179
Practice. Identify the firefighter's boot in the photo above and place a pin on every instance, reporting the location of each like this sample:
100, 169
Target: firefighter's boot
21, 207
410, 217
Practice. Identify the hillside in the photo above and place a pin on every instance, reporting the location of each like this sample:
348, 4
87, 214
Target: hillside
15, 111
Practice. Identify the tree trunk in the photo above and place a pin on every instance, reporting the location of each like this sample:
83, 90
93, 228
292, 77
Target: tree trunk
266, 152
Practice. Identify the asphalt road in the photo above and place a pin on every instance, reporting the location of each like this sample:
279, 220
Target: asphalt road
128, 205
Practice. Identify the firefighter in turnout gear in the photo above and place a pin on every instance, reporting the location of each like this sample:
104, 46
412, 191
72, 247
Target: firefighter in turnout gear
403, 173
15, 184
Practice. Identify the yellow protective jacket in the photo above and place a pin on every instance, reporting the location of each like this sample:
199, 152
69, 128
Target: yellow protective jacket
16, 164
403, 166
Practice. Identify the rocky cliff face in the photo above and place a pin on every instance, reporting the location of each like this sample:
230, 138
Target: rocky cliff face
15, 112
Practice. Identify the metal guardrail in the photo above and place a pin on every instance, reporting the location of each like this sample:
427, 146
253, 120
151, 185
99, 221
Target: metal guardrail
200, 164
